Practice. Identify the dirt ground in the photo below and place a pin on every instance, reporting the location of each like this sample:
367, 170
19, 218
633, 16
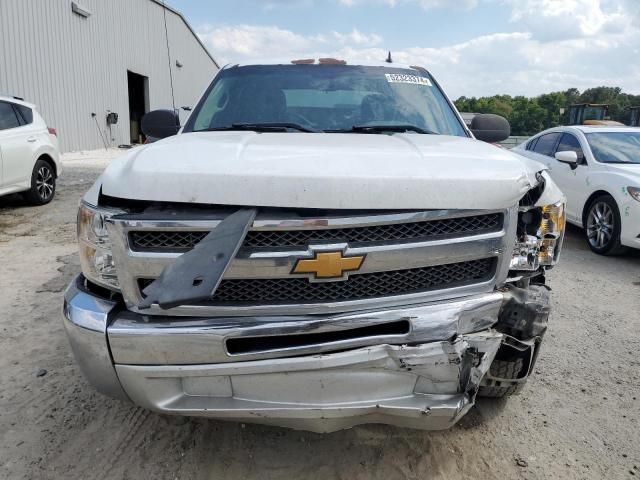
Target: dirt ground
578, 417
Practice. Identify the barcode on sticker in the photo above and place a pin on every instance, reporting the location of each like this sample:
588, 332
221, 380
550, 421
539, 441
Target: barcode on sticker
404, 78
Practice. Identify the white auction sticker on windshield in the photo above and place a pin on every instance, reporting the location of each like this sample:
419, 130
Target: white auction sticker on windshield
404, 78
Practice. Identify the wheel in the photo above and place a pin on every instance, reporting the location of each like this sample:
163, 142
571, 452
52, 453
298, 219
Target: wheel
43, 184
603, 225
503, 369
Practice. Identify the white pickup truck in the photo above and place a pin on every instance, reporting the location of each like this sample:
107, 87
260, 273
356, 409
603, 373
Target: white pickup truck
322, 244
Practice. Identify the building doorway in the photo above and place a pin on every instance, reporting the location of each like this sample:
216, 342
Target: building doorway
138, 104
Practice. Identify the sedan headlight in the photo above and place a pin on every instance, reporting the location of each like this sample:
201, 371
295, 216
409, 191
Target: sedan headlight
634, 192
95, 248
540, 235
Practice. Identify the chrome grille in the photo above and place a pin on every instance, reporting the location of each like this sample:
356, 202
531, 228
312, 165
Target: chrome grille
411, 257
182, 241
357, 287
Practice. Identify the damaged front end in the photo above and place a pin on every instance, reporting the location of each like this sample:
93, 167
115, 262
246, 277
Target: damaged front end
180, 367
200, 311
525, 313
318, 374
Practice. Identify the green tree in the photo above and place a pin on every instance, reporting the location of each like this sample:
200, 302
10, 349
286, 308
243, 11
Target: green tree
552, 103
528, 116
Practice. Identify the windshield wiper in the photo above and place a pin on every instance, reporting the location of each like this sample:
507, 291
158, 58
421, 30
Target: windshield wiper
400, 128
261, 127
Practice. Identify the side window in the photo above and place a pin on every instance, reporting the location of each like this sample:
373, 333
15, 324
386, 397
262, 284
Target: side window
546, 144
532, 143
8, 118
25, 113
569, 143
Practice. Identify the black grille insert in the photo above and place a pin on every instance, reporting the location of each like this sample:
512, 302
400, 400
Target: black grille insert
182, 241
356, 287
244, 345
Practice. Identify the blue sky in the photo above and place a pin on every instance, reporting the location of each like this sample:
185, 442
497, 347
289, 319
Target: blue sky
409, 24
474, 47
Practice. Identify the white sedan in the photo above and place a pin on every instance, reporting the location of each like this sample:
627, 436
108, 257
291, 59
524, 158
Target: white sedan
29, 153
598, 168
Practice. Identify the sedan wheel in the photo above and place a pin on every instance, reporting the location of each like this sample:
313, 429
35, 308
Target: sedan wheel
602, 226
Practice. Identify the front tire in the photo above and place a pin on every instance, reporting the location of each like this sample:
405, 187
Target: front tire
507, 369
603, 226
43, 184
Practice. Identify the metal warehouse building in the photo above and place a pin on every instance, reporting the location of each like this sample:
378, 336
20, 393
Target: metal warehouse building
80, 61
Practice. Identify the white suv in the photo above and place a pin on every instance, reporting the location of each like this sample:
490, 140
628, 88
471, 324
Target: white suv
29, 153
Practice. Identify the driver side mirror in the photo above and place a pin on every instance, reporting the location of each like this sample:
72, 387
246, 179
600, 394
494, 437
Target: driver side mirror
569, 157
490, 128
160, 123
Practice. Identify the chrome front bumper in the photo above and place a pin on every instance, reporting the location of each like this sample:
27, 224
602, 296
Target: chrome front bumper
426, 377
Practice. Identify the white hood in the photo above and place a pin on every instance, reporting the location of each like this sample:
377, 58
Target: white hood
329, 171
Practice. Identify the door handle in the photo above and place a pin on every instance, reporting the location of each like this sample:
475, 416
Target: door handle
31, 139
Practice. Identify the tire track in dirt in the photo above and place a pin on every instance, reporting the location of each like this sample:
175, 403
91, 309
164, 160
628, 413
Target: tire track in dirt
128, 440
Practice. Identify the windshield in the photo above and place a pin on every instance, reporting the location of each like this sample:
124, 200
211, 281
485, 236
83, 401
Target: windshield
615, 147
325, 98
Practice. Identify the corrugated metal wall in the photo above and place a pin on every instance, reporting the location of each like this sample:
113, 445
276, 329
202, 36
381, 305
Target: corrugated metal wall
70, 66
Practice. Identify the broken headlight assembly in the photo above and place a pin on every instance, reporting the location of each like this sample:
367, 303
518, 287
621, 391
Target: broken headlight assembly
96, 258
540, 235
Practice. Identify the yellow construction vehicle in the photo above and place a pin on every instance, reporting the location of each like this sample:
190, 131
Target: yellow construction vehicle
590, 114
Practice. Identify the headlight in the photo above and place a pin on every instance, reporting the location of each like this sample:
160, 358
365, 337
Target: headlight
634, 192
540, 235
95, 248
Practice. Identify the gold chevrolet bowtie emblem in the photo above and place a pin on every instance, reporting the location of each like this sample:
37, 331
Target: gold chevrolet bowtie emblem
327, 265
